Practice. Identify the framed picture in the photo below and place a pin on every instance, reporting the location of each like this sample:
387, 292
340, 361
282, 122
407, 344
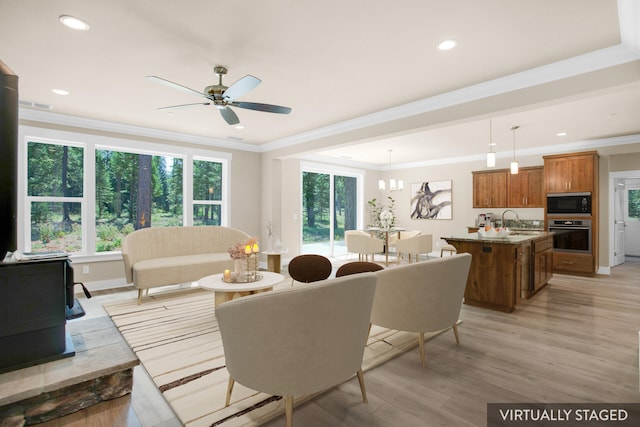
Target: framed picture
431, 200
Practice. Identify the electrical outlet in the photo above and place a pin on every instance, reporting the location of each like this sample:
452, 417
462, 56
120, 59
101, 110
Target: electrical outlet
85, 269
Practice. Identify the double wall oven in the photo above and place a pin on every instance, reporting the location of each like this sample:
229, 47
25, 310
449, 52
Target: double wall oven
565, 213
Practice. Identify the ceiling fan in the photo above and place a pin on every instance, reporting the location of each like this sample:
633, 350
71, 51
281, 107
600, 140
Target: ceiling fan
222, 97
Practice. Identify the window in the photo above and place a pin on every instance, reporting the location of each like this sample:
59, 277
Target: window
207, 192
55, 197
633, 205
83, 193
330, 205
135, 191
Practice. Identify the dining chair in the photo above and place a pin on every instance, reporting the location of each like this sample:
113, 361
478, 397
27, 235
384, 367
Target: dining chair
293, 342
357, 267
416, 245
363, 244
309, 268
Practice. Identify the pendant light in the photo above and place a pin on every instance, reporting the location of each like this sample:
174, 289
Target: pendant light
514, 163
393, 186
491, 156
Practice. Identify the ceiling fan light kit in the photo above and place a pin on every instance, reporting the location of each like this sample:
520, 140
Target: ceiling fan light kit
223, 97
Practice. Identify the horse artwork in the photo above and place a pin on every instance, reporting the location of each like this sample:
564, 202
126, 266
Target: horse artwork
431, 200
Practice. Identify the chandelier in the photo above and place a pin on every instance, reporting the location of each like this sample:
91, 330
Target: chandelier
393, 184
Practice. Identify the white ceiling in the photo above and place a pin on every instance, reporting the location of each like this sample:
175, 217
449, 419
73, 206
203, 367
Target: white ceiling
362, 76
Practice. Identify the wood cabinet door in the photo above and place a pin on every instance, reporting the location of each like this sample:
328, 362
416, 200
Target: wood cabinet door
490, 189
526, 189
570, 174
535, 188
557, 174
581, 179
518, 189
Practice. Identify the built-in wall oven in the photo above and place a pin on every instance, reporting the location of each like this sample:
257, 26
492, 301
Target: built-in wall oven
571, 235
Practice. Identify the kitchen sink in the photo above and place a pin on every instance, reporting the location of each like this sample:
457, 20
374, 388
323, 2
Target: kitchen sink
524, 233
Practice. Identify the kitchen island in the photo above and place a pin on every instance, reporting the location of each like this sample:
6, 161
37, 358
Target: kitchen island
507, 269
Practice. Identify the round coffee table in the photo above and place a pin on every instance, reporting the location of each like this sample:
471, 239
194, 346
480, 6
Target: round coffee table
227, 291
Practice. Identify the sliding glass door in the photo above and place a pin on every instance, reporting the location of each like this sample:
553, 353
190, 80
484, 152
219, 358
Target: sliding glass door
329, 207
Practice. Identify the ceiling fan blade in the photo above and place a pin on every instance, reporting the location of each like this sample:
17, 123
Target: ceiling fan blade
229, 116
240, 87
262, 107
184, 105
173, 85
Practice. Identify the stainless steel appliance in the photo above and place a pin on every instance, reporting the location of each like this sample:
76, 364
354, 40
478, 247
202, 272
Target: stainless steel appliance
564, 204
571, 235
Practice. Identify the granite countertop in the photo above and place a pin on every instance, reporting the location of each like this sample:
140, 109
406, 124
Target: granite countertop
515, 238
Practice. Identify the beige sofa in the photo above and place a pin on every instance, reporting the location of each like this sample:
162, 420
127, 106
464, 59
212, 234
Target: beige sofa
173, 255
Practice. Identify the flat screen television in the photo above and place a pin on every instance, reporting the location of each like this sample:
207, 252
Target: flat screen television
8, 160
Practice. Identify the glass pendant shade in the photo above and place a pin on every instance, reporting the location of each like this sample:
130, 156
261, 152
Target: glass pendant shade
491, 159
514, 162
514, 168
381, 184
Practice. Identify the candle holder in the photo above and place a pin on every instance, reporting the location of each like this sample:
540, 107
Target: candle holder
245, 264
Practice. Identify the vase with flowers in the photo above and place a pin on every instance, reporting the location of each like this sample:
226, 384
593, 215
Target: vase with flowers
382, 216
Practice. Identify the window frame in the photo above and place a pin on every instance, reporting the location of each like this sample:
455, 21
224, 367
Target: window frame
90, 143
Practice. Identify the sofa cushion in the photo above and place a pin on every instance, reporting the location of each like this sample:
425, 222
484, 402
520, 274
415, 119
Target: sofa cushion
153, 272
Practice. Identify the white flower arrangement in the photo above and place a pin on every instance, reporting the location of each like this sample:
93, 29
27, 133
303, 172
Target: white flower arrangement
387, 219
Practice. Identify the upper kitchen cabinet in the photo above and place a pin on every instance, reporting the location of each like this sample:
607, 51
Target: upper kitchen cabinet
571, 173
526, 188
490, 189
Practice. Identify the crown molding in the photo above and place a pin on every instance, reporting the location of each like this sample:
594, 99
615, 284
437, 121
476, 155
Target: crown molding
105, 126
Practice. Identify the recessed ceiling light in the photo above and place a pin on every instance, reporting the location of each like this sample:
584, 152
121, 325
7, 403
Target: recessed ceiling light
74, 23
561, 134
60, 91
239, 127
447, 44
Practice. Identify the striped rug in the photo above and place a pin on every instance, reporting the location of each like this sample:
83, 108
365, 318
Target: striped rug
175, 335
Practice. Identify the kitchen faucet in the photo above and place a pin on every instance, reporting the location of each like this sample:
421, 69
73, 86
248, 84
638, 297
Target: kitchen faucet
502, 224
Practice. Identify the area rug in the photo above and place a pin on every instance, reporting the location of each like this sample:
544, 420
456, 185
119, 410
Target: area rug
175, 335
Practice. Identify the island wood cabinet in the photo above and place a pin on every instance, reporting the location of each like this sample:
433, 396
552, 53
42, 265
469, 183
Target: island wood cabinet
570, 173
526, 188
500, 189
503, 272
489, 189
541, 263
498, 273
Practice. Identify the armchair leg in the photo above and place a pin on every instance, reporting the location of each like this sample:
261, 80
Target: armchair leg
227, 401
455, 332
288, 410
421, 344
139, 296
363, 390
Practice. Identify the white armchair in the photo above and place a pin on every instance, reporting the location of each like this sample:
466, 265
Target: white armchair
422, 297
416, 245
298, 341
363, 244
394, 237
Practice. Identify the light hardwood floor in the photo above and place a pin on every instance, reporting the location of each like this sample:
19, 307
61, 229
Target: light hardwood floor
576, 341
